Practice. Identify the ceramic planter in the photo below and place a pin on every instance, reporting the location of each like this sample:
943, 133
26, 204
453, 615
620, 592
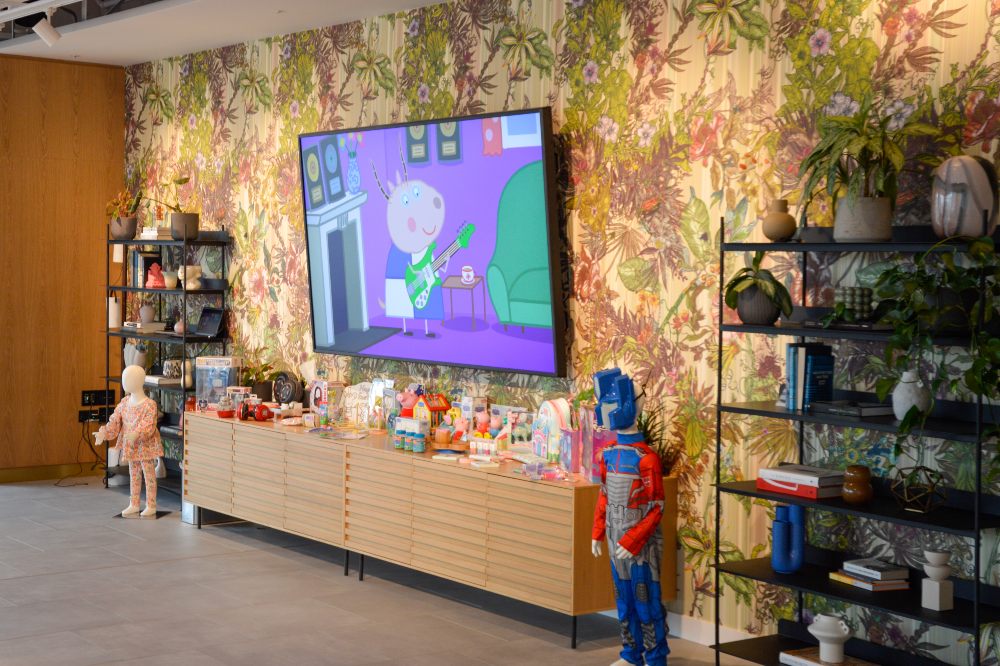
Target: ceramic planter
857, 485
910, 392
146, 313
263, 390
831, 632
778, 225
123, 228
755, 308
964, 187
184, 226
864, 219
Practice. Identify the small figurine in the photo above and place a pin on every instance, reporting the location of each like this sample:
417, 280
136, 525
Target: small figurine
482, 423
461, 429
154, 278
407, 398
521, 433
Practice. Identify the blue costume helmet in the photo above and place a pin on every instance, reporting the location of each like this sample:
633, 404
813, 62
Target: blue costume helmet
615, 396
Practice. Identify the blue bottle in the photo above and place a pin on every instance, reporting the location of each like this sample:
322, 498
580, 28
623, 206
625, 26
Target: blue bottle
788, 539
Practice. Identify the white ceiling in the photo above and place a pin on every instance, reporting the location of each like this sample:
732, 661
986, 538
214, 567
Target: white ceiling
176, 27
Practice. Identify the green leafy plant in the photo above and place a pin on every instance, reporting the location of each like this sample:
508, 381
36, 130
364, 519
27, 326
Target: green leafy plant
860, 155
123, 204
761, 278
653, 426
173, 184
259, 374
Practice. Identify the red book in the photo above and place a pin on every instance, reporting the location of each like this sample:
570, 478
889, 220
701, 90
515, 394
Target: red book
798, 489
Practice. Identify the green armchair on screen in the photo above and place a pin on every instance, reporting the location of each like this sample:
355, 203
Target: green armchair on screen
518, 274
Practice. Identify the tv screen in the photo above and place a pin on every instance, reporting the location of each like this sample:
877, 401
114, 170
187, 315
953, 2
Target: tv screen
436, 242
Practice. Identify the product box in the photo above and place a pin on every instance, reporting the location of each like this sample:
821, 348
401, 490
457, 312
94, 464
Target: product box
798, 489
802, 475
810, 655
213, 375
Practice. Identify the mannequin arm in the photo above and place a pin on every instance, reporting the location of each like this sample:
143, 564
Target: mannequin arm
114, 425
652, 479
601, 510
596, 548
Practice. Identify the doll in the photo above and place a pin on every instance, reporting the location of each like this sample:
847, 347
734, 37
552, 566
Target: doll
482, 423
461, 429
628, 513
134, 423
407, 399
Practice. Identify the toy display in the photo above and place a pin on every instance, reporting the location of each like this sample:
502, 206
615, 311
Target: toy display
134, 424
407, 398
628, 513
431, 407
213, 375
553, 418
482, 423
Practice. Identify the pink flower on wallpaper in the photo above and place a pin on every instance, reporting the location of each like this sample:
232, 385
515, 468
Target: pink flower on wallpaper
192, 121
912, 15
982, 116
590, 72
293, 108
819, 43
911, 35
607, 129
705, 137
423, 93
645, 134
255, 283
994, 7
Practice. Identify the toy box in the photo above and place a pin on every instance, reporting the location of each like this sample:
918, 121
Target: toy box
213, 375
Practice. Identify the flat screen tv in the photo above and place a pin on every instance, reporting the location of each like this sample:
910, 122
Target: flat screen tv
436, 242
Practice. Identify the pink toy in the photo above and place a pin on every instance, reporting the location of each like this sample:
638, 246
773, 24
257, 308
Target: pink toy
407, 399
461, 428
496, 423
154, 278
482, 423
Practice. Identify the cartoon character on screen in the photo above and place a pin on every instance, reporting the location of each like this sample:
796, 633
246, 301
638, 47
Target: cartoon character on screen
628, 513
134, 423
415, 219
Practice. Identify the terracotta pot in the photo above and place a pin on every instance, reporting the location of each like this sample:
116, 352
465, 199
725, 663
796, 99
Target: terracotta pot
755, 308
123, 228
184, 226
857, 485
864, 219
778, 225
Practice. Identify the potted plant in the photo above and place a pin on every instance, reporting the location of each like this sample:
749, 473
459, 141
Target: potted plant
756, 294
860, 157
183, 225
260, 378
122, 211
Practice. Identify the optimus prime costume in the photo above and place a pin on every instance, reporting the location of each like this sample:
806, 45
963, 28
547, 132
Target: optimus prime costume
628, 513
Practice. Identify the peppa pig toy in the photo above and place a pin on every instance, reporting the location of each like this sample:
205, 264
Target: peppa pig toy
461, 429
496, 424
482, 423
407, 398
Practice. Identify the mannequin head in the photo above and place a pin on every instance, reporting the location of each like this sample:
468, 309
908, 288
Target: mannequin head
133, 377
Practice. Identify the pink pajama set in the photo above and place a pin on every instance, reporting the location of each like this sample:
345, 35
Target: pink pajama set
141, 454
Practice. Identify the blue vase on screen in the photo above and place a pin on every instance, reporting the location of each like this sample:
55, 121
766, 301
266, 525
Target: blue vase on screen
353, 173
788, 539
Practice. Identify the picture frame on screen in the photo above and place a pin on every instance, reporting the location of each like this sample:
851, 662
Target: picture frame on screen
445, 249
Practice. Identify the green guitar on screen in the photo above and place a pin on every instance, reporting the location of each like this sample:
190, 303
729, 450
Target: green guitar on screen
422, 276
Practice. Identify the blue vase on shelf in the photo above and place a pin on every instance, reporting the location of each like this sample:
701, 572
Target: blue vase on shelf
788, 539
353, 173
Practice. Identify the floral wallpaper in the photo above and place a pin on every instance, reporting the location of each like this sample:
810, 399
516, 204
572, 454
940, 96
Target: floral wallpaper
671, 116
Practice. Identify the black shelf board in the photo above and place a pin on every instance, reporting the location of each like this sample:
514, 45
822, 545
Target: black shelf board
905, 240
814, 579
173, 243
763, 650
168, 292
796, 329
155, 387
163, 337
950, 520
954, 430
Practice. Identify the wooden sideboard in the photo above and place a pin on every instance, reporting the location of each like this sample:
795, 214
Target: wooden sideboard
492, 529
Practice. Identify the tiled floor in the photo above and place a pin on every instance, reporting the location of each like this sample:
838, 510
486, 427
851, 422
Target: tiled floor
79, 587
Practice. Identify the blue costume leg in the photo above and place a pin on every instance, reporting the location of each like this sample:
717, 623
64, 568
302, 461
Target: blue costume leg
628, 620
649, 615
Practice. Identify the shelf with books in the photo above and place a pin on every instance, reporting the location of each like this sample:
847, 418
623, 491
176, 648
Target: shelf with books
947, 519
950, 429
766, 650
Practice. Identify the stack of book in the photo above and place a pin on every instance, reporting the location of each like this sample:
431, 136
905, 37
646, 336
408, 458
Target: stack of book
851, 408
160, 380
155, 233
808, 374
810, 656
801, 481
873, 575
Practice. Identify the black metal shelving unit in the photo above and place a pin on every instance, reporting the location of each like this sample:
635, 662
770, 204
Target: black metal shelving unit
163, 339
965, 514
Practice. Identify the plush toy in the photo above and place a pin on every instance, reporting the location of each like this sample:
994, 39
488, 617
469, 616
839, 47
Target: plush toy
461, 428
496, 424
521, 432
407, 398
482, 423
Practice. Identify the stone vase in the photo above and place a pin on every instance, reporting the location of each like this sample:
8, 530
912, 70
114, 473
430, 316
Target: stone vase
184, 226
778, 224
146, 313
831, 632
123, 228
865, 219
755, 308
910, 392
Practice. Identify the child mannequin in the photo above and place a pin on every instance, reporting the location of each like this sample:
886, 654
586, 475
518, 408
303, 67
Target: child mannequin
135, 420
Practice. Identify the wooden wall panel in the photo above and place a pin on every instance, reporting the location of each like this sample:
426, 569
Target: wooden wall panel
62, 157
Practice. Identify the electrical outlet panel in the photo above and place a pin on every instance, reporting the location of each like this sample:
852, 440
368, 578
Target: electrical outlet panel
97, 398
98, 414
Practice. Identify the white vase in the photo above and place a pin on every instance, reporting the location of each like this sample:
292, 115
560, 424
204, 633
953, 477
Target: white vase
831, 632
146, 313
964, 187
910, 392
863, 219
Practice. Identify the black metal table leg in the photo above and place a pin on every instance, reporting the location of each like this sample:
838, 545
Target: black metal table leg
197, 512
572, 635
361, 569
347, 561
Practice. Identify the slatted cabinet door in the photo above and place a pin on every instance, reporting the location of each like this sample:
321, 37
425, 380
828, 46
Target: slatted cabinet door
530, 542
449, 522
378, 503
259, 475
208, 463
314, 488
